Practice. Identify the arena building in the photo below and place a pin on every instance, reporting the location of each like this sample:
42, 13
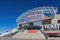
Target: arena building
37, 16
36, 23
41, 16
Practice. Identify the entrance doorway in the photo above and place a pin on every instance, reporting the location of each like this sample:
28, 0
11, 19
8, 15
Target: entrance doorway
31, 24
20, 26
47, 21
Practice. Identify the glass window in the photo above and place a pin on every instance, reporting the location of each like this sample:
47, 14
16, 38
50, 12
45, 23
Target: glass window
32, 28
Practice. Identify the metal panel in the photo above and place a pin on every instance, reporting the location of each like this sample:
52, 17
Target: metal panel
39, 23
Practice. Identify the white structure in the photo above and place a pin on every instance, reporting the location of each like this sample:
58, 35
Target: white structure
9, 32
56, 19
36, 14
4, 34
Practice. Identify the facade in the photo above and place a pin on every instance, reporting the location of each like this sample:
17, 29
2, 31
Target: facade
37, 16
53, 29
46, 17
54, 23
56, 19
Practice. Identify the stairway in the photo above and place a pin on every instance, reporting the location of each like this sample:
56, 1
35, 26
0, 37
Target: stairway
25, 35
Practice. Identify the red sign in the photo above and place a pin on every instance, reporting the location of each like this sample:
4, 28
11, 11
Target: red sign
58, 21
32, 31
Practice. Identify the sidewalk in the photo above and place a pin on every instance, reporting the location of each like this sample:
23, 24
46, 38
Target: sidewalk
9, 38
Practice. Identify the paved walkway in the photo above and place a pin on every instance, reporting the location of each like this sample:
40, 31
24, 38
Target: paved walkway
8, 38
29, 34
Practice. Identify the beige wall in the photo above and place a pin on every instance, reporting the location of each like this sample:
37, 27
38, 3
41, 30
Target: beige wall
54, 20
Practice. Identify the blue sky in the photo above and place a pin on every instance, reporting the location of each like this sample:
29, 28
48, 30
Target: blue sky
11, 9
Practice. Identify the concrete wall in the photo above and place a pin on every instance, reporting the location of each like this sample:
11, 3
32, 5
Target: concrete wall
55, 19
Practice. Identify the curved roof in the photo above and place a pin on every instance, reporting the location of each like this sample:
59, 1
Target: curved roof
39, 11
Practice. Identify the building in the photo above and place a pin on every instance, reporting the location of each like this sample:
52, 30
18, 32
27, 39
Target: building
53, 29
46, 17
37, 21
37, 16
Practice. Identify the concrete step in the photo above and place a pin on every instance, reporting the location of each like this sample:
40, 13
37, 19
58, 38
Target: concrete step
25, 34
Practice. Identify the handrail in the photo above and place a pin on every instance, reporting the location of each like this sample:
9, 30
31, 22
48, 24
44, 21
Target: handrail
44, 34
